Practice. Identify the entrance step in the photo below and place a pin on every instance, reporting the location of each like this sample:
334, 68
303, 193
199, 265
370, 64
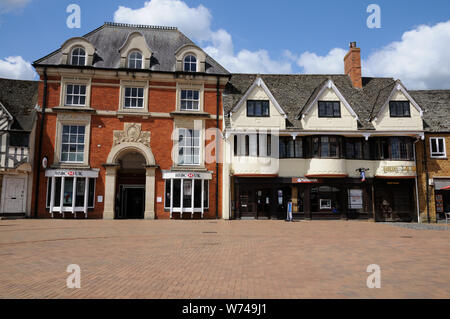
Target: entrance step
5, 216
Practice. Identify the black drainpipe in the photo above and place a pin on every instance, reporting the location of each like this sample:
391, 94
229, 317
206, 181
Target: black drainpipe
217, 147
427, 176
41, 133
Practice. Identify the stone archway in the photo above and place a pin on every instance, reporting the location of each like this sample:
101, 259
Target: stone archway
131, 139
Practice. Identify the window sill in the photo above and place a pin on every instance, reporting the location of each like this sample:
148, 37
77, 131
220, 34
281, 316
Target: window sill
190, 114
70, 165
439, 157
73, 108
197, 168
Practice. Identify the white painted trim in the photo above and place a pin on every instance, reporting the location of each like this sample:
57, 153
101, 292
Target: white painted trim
400, 87
6, 112
431, 148
259, 82
329, 85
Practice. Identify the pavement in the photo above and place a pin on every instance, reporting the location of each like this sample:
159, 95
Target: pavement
221, 259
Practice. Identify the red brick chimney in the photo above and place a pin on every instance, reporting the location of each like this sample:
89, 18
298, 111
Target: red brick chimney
352, 62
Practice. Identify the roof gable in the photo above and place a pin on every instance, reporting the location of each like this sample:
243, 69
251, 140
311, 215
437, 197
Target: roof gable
318, 93
259, 83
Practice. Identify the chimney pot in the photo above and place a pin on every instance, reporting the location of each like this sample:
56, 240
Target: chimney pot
352, 44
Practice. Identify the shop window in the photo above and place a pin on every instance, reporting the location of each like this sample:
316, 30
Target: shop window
437, 147
329, 109
325, 198
68, 193
257, 108
189, 147
191, 197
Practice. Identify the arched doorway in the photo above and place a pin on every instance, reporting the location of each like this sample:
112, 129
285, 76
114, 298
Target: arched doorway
130, 153
130, 189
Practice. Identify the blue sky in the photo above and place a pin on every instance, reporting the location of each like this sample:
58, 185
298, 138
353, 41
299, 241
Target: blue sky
254, 36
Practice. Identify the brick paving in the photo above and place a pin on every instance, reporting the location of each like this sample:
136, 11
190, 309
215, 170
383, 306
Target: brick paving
221, 259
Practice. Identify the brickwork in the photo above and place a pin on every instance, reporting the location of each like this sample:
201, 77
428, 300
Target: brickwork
437, 167
105, 97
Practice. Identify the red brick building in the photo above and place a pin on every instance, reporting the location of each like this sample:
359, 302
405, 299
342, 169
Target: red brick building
123, 127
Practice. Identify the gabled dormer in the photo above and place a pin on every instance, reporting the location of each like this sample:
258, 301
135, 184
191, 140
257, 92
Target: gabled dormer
135, 52
398, 112
77, 51
258, 108
327, 109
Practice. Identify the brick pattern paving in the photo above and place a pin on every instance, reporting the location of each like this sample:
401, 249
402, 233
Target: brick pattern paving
221, 259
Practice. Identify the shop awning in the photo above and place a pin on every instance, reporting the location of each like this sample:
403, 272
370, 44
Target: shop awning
442, 184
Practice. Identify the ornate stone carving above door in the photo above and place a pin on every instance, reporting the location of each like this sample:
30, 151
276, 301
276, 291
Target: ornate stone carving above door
133, 133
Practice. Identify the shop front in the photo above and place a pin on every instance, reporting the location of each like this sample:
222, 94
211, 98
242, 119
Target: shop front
71, 191
442, 196
395, 200
186, 194
311, 198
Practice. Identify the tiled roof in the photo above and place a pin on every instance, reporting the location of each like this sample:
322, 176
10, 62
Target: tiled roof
294, 92
163, 41
19, 98
436, 106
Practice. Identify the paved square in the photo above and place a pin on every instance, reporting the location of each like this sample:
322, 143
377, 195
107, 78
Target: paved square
221, 259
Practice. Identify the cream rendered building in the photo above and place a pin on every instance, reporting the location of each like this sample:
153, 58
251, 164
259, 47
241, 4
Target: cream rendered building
333, 146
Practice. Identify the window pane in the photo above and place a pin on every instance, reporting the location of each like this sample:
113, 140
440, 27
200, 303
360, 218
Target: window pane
167, 192
79, 197
298, 148
187, 193
68, 192
206, 194
176, 193
91, 196
198, 193
58, 191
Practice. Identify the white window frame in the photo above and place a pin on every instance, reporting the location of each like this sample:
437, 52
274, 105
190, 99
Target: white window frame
137, 98
76, 143
190, 62
79, 95
75, 81
72, 120
191, 87
78, 56
189, 135
434, 140
135, 60
78, 208
187, 100
124, 84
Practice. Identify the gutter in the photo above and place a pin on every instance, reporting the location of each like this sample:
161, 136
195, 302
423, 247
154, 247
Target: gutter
41, 133
427, 176
217, 146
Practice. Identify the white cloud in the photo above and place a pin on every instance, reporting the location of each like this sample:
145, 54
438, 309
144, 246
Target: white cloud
196, 24
332, 63
12, 5
420, 59
15, 67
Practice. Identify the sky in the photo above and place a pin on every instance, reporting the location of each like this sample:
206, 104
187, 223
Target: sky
411, 41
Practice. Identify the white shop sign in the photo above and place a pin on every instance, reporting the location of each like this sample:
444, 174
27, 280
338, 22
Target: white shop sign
187, 175
71, 173
356, 199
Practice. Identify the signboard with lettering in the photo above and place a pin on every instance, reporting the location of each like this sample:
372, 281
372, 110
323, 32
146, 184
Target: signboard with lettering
399, 169
187, 175
439, 203
355, 199
71, 173
303, 180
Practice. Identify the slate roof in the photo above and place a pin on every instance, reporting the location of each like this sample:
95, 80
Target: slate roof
436, 106
163, 41
20, 98
294, 92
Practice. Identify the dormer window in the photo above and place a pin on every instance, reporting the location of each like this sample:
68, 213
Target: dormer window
257, 108
78, 57
135, 60
190, 63
399, 109
329, 109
